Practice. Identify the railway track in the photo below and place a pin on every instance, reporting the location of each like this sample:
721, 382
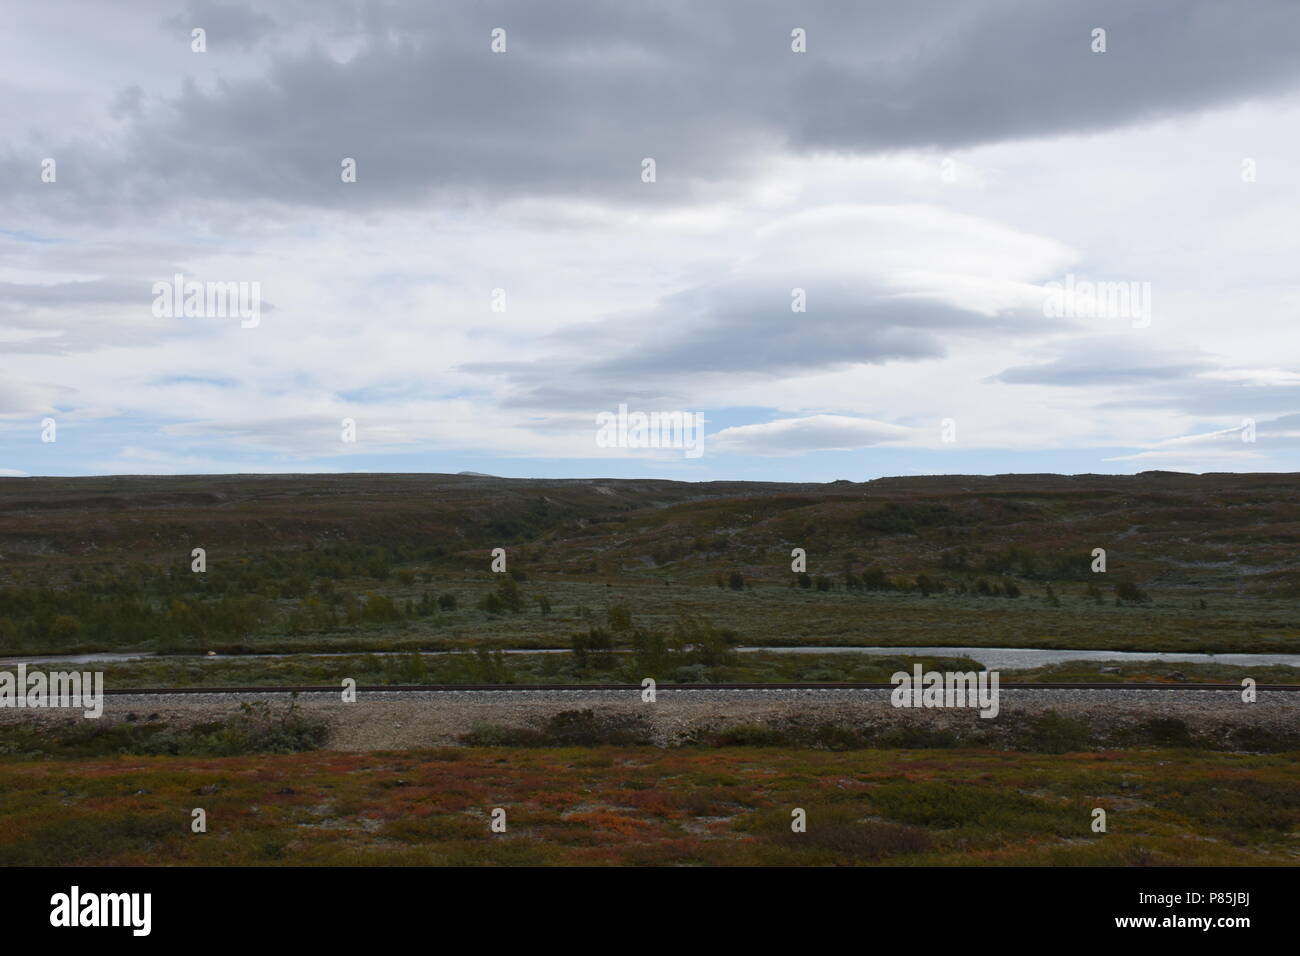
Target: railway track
534, 688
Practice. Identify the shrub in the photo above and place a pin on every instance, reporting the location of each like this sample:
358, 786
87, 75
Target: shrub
257, 729
1051, 733
897, 518
875, 579
1166, 732
581, 728
650, 653
911, 737
945, 805
496, 735
1237, 805
512, 599
747, 735
691, 674
592, 649
569, 728
1130, 593
708, 645
927, 585
828, 736
835, 830
1263, 740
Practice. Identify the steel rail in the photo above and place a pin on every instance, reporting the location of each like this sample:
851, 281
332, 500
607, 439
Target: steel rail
535, 688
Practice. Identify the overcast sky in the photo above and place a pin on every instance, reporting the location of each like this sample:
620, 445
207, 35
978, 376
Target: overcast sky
927, 173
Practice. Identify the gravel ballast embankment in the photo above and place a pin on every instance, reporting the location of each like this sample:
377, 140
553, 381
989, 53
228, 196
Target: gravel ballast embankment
380, 720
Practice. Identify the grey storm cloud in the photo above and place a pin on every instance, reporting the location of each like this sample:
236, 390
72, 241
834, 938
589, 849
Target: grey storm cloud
1213, 398
587, 89
1105, 363
1154, 378
1284, 423
65, 317
230, 23
19, 295
743, 328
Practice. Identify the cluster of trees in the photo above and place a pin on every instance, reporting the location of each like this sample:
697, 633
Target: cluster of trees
1022, 562
50, 618
273, 575
875, 578
276, 574
983, 588
693, 645
872, 579
907, 518
125, 614
352, 610
172, 608
508, 596
298, 592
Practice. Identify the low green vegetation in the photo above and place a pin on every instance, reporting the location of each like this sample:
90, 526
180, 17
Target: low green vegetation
494, 667
636, 805
258, 729
1100, 672
598, 662
454, 618
1049, 733
401, 562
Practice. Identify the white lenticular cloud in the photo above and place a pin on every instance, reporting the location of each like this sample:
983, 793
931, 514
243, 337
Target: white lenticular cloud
791, 436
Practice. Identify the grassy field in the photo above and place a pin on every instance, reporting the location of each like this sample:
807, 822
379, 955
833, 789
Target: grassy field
759, 616
640, 805
401, 562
